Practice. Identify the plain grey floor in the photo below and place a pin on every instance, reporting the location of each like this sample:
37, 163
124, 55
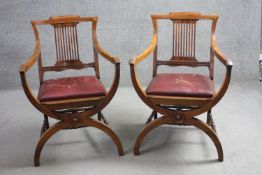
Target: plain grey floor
166, 150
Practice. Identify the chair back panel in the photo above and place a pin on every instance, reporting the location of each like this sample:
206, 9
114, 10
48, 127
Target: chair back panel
66, 43
184, 37
184, 40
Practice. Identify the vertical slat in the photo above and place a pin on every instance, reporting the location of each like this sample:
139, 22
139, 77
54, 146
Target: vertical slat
184, 36
69, 43
194, 40
63, 43
56, 43
186, 43
76, 46
179, 40
188, 40
184, 48
184, 40
190, 36
73, 43
66, 43
177, 32
76, 42
59, 29
173, 39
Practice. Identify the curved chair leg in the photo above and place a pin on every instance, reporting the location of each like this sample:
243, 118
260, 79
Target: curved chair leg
108, 131
43, 139
213, 136
149, 127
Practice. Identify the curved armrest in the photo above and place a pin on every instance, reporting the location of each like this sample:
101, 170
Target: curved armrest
30, 61
98, 48
134, 76
147, 52
33, 99
227, 62
133, 63
22, 70
106, 55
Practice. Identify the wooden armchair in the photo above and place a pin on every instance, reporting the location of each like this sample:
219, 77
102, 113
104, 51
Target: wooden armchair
180, 97
70, 100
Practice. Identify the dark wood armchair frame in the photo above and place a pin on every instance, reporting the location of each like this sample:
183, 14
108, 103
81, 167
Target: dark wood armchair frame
77, 115
184, 108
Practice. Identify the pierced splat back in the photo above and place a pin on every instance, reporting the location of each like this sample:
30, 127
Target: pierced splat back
66, 44
184, 38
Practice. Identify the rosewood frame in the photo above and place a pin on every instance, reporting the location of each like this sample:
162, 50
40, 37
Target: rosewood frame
77, 118
161, 104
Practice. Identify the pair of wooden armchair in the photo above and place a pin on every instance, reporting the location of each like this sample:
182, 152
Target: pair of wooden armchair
73, 101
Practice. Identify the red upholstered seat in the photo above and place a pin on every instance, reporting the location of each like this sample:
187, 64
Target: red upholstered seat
71, 87
189, 85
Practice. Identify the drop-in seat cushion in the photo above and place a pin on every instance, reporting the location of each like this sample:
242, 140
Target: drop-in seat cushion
71, 87
174, 84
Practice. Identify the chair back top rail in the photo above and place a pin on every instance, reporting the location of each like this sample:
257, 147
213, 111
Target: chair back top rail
64, 19
186, 15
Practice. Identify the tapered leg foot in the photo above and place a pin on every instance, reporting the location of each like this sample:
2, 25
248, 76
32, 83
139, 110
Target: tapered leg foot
212, 135
106, 129
149, 127
44, 138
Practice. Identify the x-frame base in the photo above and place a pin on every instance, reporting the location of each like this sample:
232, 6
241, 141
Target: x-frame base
47, 132
208, 128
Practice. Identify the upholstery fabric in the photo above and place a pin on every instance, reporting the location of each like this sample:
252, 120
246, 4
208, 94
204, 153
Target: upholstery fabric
71, 87
174, 84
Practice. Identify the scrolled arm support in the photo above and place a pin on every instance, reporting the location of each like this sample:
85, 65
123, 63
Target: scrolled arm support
110, 94
114, 60
31, 60
136, 83
35, 102
227, 62
222, 90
